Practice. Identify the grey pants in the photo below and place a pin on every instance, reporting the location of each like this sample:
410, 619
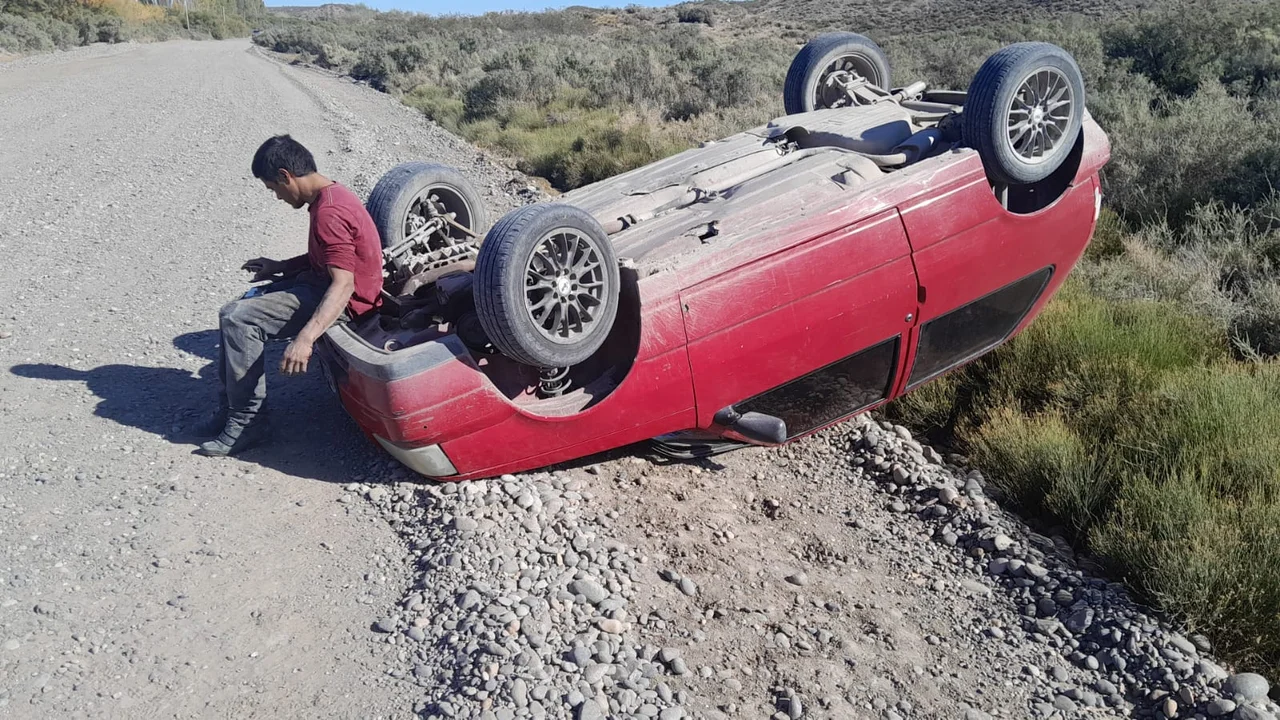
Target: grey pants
280, 312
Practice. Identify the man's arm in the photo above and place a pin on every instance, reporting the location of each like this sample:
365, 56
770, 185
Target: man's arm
298, 354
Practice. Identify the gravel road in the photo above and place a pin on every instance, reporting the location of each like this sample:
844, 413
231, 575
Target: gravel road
856, 574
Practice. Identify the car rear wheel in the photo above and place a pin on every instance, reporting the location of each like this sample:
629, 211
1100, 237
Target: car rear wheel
418, 198
1024, 111
546, 285
821, 71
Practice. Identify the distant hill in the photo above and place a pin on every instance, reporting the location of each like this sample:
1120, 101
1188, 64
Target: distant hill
924, 15
328, 11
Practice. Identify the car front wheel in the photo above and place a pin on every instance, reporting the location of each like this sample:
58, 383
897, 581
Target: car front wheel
546, 285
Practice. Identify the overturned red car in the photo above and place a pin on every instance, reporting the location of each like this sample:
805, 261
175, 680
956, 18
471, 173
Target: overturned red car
751, 290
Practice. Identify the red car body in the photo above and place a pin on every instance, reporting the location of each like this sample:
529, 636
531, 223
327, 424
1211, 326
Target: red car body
808, 299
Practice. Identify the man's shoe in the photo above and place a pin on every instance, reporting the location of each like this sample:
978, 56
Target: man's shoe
235, 439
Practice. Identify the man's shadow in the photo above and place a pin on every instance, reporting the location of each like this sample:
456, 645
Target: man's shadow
312, 435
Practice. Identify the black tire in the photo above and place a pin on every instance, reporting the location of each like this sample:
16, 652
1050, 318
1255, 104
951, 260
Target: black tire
399, 190
1015, 73
503, 286
800, 93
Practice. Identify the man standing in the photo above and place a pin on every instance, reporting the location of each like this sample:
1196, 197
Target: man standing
338, 278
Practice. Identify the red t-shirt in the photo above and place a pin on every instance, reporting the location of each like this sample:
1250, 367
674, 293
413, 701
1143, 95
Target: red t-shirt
344, 236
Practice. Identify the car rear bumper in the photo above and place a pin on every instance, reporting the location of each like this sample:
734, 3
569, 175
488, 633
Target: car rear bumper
374, 386
352, 353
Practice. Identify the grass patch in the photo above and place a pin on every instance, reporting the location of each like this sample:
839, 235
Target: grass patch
579, 148
437, 104
569, 141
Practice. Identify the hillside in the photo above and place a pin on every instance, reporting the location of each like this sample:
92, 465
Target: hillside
328, 11
933, 15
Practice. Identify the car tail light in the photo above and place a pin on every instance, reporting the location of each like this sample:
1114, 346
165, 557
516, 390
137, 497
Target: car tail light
429, 460
1097, 203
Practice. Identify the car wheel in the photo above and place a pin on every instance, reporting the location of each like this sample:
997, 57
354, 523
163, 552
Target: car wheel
546, 285
409, 196
1024, 111
814, 80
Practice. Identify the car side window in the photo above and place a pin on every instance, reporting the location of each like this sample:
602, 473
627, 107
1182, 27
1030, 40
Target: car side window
970, 330
831, 392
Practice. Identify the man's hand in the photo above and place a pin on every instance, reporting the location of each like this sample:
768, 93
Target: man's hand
296, 356
263, 268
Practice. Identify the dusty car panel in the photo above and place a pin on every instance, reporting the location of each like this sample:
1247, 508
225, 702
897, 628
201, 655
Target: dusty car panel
749, 186
657, 391
788, 314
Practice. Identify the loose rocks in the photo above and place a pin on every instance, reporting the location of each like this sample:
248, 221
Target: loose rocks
1087, 621
523, 605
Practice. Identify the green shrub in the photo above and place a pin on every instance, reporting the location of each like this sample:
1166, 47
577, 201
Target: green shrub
1256, 326
43, 25
374, 67
311, 41
1205, 423
1214, 565
695, 14
1046, 466
1222, 263
1175, 56
1197, 529
62, 34
107, 29
1108, 237
639, 77
1183, 152
337, 57
602, 153
438, 104
18, 34
499, 88
1184, 46
742, 75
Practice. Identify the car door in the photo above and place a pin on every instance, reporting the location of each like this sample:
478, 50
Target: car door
985, 271
810, 334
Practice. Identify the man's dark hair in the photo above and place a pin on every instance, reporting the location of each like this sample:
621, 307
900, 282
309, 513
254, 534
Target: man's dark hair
282, 153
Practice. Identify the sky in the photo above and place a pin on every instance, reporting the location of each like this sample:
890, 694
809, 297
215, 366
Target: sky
477, 7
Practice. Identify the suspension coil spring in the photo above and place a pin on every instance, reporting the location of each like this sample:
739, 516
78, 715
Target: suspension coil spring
553, 382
